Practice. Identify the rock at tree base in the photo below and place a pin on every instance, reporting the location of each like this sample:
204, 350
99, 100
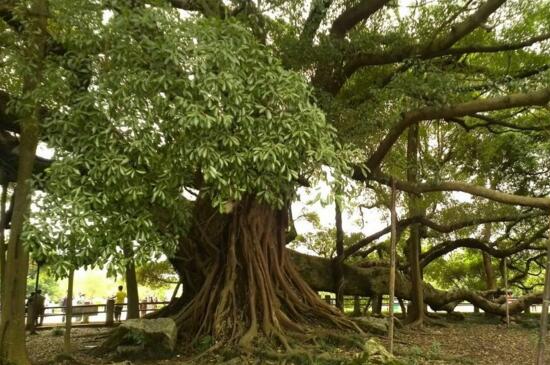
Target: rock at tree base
373, 325
376, 353
142, 338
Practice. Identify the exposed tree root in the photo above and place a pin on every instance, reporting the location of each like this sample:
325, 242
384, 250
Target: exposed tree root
242, 284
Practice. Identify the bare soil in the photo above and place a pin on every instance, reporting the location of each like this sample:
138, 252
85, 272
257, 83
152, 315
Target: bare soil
478, 340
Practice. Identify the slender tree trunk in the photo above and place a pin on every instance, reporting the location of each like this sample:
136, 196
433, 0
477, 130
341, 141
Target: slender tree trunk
416, 312
3, 201
68, 314
490, 277
393, 243
12, 326
377, 304
506, 291
543, 332
131, 284
338, 261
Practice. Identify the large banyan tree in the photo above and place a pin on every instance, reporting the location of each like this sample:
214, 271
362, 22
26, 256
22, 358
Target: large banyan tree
194, 108
190, 136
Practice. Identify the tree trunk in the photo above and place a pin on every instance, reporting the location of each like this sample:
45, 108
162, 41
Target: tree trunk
490, 278
68, 314
377, 305
393, 244
131, 284
12, 327
338, 261
416, 312
3, 201
543, 331
247, 285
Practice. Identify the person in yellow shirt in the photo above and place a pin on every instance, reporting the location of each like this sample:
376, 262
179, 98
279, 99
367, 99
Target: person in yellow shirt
120, 296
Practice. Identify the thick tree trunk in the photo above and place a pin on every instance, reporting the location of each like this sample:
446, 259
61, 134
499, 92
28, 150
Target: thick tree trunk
68, 314
131, 284
12, 326
416, 312
248, 286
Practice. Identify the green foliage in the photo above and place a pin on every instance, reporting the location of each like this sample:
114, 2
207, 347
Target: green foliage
170, 105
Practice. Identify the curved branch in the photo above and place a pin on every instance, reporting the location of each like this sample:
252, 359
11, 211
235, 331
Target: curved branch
538, 97
352, 16
409, 51
402, 224
467, 26
374, 281
495, 195
449, 246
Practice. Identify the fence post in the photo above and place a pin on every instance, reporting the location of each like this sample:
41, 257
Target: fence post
110, 312
327, 299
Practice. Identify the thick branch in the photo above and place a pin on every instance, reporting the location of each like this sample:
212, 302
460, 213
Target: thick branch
352, 16
409, 51
317, 13
495, 195
539, 97
374, 281
472, 22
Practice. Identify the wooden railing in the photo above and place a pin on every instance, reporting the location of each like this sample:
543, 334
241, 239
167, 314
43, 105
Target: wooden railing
85, 311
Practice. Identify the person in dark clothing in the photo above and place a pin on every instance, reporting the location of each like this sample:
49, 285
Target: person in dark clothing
40, 307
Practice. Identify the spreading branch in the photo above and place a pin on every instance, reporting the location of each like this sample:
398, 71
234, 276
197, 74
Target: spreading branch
538, 97
476, 190
354, 15
441, 228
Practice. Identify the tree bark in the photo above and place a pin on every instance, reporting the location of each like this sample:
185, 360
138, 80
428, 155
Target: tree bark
416, 312
3, 201
131, 284
243, 284
372, 281
377, 304
490, 278
68, 314
393, 244
12, 326
543, 332
338, 261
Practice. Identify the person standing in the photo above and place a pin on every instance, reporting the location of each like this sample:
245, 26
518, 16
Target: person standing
40, 305
120, 296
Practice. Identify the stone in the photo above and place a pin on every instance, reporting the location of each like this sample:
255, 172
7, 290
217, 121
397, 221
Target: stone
142, 338
378, 326
376, 354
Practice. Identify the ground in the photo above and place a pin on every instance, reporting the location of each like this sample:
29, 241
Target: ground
475, 341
